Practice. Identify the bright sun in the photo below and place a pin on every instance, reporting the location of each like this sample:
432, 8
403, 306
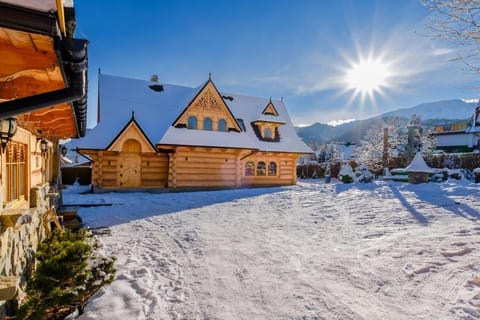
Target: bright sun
368, 76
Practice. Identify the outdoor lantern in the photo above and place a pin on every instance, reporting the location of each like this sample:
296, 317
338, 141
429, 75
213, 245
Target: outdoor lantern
63, 151
44, 146
8, 127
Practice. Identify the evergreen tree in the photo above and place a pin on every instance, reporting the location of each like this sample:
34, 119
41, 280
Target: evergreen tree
69, 272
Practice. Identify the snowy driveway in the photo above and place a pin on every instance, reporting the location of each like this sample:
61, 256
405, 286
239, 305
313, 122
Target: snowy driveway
311, 251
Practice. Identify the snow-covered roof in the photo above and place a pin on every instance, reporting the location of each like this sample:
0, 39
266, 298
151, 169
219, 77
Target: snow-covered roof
418, 164
156, 112
40, 5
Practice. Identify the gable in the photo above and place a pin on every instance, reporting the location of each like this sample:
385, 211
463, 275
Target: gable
270, 109
131, 131
208, 103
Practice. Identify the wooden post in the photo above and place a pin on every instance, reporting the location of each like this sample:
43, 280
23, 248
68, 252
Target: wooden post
385, 148
294, 169
238, 171
172, 171
55, 162
99, 168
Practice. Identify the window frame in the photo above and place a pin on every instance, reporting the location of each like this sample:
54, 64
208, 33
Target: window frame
222, 124
190, 122
270, 172
16, 172
210, 124
261, 170
250, 169
267, 134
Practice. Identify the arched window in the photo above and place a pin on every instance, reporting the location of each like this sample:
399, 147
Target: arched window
268, 133
249, 168
272, 169
192, 122
222, 125
207, 124
261, 169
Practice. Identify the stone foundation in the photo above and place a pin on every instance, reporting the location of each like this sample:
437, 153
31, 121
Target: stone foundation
21, 231
418, 177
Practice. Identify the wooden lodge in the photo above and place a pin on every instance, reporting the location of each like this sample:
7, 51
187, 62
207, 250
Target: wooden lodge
460, 139
153, 135
42, 100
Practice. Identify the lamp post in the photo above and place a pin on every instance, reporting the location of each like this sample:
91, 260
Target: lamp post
8, 128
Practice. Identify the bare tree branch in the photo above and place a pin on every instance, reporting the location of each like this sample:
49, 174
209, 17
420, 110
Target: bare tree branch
458, 22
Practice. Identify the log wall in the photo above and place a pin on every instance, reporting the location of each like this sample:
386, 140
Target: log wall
106, 168
205, 167
195, 167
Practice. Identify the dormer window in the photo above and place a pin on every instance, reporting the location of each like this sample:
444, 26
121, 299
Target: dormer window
267, 131
270, 109
267, 134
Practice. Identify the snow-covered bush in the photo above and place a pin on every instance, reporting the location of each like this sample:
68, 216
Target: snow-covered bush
363, 174
476, 173
346, 174
452, 161
370, 150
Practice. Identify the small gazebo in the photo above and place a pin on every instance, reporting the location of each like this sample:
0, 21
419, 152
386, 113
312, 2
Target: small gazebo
418, 171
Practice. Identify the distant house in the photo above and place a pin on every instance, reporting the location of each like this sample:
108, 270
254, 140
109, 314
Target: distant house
460, 138
153, 135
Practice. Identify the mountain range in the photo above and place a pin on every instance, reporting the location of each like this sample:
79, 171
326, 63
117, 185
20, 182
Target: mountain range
431, 114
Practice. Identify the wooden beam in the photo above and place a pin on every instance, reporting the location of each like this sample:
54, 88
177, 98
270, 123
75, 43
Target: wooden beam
61, 16
24, 86
26, 51
24, 19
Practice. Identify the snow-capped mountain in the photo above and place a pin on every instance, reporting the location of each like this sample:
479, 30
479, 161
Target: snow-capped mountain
432, 113
446, 109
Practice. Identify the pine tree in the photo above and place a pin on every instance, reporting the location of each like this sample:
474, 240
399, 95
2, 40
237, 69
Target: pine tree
69, 272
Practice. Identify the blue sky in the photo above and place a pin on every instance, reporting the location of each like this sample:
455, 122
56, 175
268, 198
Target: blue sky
299, 50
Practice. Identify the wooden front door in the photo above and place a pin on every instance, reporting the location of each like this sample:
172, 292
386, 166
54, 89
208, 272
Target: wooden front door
129, 166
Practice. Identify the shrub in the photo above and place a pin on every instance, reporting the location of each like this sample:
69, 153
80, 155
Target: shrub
347, 179
362, 174
69, 272
346, 173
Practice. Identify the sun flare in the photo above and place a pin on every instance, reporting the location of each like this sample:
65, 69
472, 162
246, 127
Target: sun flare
368, 76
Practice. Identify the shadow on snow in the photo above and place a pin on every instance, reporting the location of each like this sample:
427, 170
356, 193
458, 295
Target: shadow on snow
127, 207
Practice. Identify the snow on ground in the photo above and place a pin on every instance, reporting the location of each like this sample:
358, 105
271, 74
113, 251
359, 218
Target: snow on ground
311, 251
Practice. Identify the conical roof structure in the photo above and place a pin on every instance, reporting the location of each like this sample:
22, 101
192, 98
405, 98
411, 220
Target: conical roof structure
418, 164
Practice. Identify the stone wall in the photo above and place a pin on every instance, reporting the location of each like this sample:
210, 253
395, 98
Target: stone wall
21, 231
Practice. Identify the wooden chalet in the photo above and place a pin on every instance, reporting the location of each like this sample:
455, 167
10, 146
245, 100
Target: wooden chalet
43, 86
461, 139
153, 135
43, 82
